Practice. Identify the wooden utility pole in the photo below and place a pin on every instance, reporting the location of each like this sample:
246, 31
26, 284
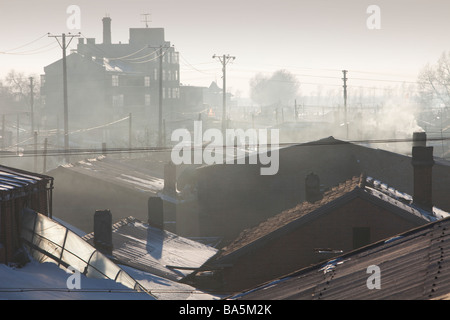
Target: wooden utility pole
32, 105
160, 97
3, 132
345, 101
129, 131
45, 156
224, 59
35, 151
64, 46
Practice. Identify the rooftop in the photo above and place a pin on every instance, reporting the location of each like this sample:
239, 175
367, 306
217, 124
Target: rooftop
118, 173
160, 252
14, 179
412, 266
361, 186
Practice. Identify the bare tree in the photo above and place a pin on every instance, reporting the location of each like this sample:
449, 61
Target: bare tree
434, 83
281, 87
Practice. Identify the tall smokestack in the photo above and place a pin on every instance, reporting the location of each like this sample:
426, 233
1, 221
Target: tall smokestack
106, 30
422, 161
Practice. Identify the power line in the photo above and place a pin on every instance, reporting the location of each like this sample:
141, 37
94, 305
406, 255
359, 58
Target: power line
129, 55
87, 151
24, 45
194, 68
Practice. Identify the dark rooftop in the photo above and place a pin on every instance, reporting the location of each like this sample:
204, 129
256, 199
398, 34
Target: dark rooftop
117, 173
12, 179
362, 186
412, 266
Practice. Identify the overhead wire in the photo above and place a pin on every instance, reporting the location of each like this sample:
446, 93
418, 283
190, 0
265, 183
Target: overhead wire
24, 45
87, 151
35, 51
129, 55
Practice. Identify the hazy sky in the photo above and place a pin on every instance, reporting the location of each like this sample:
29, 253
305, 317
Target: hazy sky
313, 39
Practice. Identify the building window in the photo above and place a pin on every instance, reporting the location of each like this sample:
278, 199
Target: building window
176, 75
155, 74
147, 81
361, 237
115, 81
118, 100
147, 100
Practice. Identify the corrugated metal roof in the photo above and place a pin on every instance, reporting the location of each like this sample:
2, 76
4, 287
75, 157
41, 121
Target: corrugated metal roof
412, 266
157, 251
118, 173
12, 179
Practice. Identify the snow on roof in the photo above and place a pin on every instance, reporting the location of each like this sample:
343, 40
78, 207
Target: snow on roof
402, 200
118, 173
165, 289
157, 251
46, 281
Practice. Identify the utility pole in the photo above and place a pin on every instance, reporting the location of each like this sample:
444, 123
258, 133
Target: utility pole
160, 89
129, 131
224, 59
32, 105
64, 46
160, 97
345, 100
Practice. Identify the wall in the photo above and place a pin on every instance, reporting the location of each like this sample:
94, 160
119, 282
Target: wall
34, 197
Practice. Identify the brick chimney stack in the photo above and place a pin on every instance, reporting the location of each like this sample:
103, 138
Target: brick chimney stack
103, 231
312, 188
422, 161
170, 178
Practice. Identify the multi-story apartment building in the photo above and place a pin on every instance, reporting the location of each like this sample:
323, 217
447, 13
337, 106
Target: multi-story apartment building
109, 81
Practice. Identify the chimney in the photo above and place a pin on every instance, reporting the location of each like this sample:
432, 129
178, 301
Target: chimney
312, 188
156, 212
170, 178
106, 30
103, 231
422, 162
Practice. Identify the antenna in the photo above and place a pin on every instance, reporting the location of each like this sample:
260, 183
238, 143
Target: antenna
145, 18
